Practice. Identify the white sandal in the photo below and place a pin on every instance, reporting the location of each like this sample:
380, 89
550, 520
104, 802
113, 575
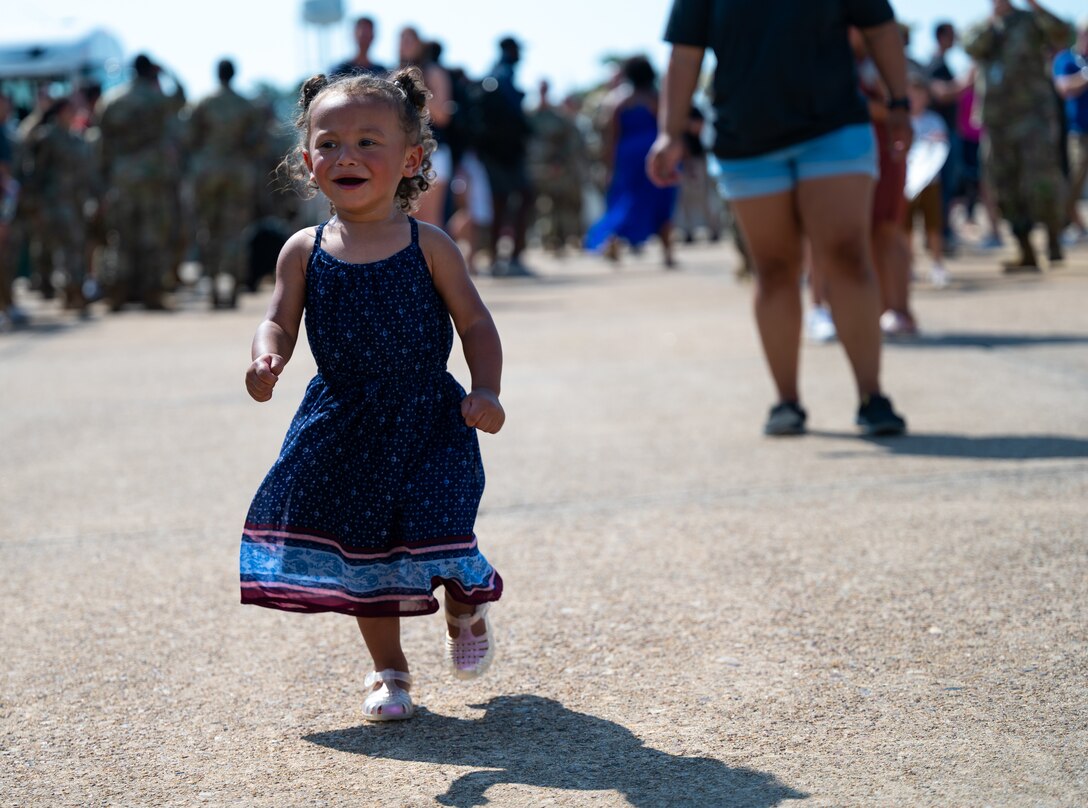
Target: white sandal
469, 656
390, 702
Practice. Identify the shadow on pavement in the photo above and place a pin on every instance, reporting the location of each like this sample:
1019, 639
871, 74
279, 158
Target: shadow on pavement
983, 339
989, 447
535, 741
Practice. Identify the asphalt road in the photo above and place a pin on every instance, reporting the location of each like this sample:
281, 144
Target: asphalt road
694, 614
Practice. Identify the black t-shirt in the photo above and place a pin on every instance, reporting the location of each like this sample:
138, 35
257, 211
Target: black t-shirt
785, 70
349, 68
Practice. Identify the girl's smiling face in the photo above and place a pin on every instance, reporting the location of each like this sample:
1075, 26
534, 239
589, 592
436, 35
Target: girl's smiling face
358, 153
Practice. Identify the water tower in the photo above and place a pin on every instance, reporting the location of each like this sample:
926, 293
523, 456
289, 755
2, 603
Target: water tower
321, 18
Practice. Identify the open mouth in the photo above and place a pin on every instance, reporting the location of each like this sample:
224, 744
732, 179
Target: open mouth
349, 182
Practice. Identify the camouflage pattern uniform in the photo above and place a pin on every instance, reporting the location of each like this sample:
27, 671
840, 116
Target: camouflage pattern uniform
1020, 118
60, 182
224, 134
557, 167
139, 163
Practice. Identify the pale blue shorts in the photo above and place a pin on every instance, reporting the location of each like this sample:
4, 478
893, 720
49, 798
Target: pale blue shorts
850, 150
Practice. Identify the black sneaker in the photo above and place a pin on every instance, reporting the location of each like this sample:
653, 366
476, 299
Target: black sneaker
785, 418
876, 417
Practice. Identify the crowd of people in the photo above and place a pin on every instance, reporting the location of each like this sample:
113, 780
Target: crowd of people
114, 197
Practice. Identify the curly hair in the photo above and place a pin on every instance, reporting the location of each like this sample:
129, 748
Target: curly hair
404, 91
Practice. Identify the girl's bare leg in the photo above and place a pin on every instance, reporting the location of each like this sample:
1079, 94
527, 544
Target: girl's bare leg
459, 609
382, 638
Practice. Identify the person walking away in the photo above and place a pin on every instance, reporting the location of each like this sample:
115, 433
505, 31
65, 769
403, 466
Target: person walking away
635, 208
224, 132
797, 158
1071, 82
1020, 122
372, 501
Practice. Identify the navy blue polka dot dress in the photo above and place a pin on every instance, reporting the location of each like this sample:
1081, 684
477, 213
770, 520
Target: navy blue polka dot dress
372, 502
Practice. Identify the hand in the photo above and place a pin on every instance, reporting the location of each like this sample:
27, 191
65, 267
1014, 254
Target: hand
481, 409
263, 374
900, 133
663, 160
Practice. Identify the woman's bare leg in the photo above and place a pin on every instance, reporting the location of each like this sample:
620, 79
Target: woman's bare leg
772, 234
835, 214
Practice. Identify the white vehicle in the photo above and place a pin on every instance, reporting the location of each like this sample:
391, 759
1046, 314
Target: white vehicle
59, 59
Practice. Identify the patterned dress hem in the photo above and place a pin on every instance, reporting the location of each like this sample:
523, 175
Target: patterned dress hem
309, 601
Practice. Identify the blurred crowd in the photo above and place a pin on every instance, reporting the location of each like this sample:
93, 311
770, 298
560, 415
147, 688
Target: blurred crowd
125, 196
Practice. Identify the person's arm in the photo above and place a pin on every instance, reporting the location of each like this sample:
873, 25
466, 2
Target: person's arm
886, 49
980, 42
479, 337
276, 336
681, 77
1055, 30
1069, 80
948, 91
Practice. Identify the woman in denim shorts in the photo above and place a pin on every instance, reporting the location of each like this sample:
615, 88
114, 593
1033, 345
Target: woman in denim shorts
798, 160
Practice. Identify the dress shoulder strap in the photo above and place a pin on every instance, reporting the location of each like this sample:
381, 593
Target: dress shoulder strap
415, 230
317, 235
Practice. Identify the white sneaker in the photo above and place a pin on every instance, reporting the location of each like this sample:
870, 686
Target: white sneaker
819, 327
938, 276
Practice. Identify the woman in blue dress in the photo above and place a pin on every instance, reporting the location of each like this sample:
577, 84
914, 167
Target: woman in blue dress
636, 208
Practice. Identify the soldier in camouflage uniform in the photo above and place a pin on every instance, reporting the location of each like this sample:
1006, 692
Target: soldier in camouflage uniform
557, 166
224, 133
57, 160
139, 162
1020, 118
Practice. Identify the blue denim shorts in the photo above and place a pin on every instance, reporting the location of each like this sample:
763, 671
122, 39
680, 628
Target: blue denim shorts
850, 150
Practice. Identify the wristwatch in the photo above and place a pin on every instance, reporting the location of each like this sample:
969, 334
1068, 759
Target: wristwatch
899, 103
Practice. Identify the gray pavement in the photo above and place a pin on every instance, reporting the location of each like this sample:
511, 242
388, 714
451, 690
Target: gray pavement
694, 614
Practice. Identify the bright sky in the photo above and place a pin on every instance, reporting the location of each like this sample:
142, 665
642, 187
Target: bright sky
564, 40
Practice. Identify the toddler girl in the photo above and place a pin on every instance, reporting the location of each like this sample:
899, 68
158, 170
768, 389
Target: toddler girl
372, 501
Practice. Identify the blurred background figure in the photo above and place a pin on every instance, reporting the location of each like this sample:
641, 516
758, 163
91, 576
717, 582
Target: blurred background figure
502, 143
1020, 140
976, 189
700, 204
930, 135
361, 62
945, 91
138, 127
557, 167
223, 135
426, 56
890, 244
636, 208
10, 316
56, 175
1071, 81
